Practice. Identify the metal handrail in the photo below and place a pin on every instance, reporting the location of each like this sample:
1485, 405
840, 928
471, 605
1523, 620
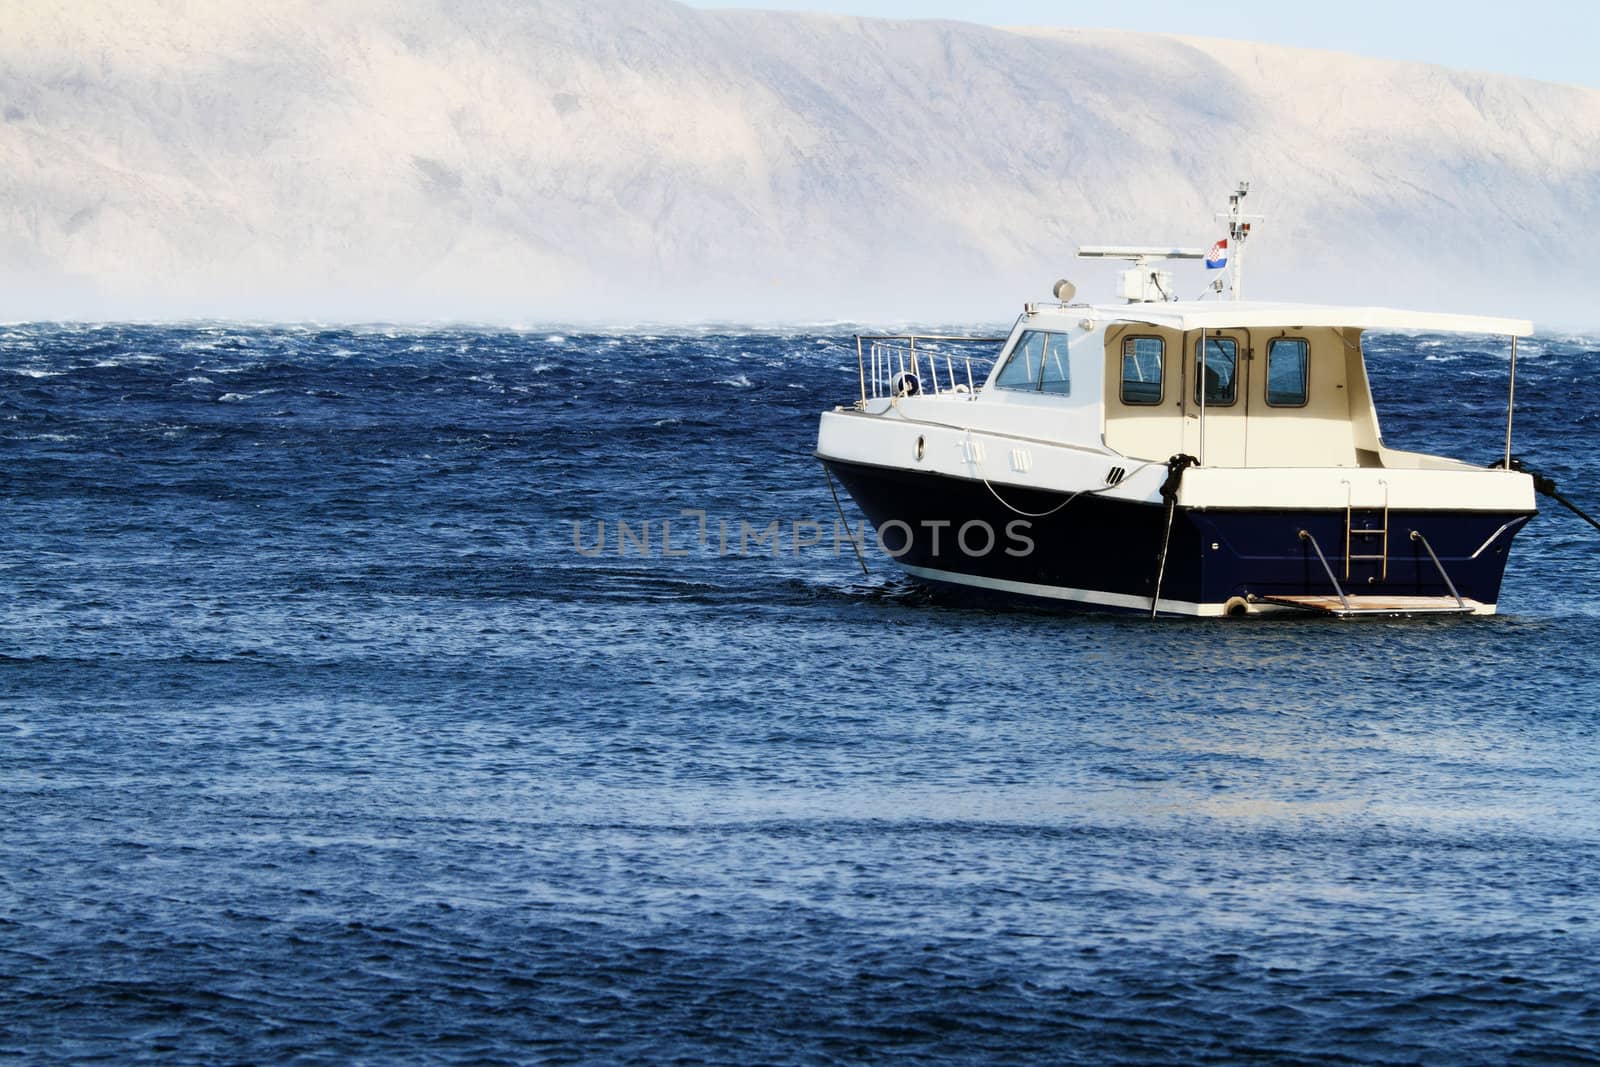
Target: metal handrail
1344, 601
903, 346
1416, 535
925, 337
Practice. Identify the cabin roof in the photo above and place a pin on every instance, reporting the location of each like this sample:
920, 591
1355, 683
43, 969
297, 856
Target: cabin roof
1222, 315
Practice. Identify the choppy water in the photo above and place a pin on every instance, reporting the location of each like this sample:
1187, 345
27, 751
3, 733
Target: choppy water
319, 740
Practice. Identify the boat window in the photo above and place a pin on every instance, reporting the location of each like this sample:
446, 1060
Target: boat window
1027, 359
1221, 365
1038, 363
1141, 369
1055, 376
1287, 358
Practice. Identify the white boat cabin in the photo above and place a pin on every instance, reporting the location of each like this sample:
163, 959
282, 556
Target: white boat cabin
1285, 385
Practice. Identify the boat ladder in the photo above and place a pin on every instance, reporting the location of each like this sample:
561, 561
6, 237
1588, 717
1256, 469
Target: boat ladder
1366, 536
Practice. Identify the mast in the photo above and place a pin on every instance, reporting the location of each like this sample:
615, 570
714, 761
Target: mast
1142, 283
1238, 234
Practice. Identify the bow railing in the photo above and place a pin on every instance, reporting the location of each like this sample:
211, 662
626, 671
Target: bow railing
893, 365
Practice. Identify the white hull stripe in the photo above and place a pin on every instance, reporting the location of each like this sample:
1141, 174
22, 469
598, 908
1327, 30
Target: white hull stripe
1057, 592
1106, 600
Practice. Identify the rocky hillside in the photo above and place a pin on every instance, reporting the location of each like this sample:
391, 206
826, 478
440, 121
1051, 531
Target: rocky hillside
558, 159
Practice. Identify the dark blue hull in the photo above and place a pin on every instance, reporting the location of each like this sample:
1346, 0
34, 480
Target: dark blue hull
1102, 553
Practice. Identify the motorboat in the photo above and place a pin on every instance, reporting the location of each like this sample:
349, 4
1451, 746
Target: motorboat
1176, 457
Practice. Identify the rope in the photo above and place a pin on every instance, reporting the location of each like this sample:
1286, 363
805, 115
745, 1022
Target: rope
837, 507
1547, 486
977, 464
1169, 491
1569, 505
1028, 514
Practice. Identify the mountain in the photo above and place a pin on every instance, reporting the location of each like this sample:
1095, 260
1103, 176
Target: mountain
635, 159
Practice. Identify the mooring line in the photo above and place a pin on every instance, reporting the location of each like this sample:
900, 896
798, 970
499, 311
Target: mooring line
840, 510
1546, 486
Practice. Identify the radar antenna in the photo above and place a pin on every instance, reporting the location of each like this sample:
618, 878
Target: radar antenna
1143, 284
1140, 284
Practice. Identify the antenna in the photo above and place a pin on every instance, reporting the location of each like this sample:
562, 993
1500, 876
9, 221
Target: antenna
1140, 284
1238, 234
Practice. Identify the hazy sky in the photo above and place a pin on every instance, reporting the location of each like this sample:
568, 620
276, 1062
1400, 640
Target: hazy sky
1553, 40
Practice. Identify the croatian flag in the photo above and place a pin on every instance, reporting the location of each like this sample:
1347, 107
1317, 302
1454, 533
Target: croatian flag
1219, 255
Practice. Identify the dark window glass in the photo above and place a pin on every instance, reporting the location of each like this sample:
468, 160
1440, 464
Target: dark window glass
1287, 360
1141, 369
1038, 364
1221, 372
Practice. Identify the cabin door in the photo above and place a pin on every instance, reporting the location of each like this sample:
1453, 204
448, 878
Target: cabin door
1215, 429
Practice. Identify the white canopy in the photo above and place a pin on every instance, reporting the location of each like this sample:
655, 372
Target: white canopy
1224, 315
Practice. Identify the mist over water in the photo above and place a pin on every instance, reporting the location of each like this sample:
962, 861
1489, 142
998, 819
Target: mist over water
319, 738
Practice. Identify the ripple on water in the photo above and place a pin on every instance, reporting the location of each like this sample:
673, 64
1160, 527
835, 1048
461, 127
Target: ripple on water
319, 738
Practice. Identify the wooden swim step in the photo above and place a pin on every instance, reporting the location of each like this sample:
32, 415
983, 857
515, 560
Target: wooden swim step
1375, 604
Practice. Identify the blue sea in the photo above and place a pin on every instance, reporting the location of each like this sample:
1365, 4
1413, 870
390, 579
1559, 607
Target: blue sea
335, 729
